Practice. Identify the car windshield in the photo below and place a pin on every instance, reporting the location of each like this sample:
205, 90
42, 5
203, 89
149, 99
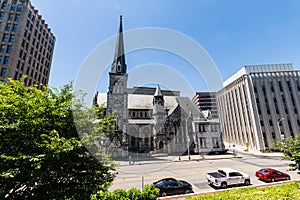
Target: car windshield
264, 171
160, 183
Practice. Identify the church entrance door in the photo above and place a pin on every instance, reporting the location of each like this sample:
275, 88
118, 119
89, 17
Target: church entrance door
160, 145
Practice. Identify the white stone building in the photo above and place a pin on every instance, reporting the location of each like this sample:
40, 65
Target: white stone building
260, 104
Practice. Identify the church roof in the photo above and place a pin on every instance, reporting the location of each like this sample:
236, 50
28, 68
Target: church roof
140, 101
189, 107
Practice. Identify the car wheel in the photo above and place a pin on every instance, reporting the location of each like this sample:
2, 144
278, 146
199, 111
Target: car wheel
288, 178
247, 182
272, 179
224, 185
187, 191
163, 194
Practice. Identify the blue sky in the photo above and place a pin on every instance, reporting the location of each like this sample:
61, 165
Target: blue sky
233, 32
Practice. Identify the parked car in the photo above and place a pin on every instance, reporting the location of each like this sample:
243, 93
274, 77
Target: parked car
172, 186
225, 177
269, 174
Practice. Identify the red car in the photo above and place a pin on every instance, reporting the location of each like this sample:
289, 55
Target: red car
269, 174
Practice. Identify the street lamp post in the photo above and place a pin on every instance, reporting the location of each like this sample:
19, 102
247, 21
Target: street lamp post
278, 122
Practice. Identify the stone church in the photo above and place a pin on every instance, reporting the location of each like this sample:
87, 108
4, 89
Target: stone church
152, 120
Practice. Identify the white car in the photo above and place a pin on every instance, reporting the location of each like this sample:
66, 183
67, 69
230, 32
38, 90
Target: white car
226, 176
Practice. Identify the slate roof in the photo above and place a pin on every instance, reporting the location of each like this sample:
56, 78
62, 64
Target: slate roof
140, 101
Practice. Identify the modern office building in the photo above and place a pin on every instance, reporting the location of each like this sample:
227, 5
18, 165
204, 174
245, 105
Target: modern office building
259, 105
27, 43
151, 120
206, 101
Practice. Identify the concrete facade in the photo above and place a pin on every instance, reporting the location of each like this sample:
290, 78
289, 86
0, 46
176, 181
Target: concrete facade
27, 43
259, 105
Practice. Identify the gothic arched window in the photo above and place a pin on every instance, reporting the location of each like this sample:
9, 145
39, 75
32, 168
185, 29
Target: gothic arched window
117, 122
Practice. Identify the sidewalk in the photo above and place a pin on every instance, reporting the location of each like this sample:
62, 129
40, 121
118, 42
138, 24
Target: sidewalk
165, 158
270, 154
205, 157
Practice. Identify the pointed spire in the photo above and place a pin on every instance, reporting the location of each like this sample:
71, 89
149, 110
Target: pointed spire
158, 91
119, 65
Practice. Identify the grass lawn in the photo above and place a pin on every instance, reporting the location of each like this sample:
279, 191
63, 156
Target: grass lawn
289, 191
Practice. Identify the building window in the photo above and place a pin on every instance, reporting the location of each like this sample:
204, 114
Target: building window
4, 5
6, 59
11, 17
19, 7
270, 123
15, 75
22, 66
3, 72
12, 38
27, 23
273, 136
9, 48
0, 60
203, 143
27, 70
5, 38
8, 26
215, 141
3, 47
23, 43
1, 15
15, 27
214, 128
17, 18
24, 56
18, 64
25, 33
13, 6
202, 128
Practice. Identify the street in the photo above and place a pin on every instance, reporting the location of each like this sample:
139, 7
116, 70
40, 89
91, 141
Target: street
194, 171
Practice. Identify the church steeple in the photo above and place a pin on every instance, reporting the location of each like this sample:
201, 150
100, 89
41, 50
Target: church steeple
158, 97
119, 65
158, 91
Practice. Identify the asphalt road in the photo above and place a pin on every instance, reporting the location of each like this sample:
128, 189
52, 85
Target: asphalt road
194, 171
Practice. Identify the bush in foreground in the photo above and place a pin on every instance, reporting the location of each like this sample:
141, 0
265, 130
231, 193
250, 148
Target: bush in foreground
285, 191
149, 193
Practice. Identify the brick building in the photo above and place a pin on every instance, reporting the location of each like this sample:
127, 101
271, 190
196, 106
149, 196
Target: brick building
27, 43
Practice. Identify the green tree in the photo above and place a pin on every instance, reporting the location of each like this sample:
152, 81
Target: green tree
291, 150
41, 153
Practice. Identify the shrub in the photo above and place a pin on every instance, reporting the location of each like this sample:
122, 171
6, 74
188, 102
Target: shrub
149, 193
